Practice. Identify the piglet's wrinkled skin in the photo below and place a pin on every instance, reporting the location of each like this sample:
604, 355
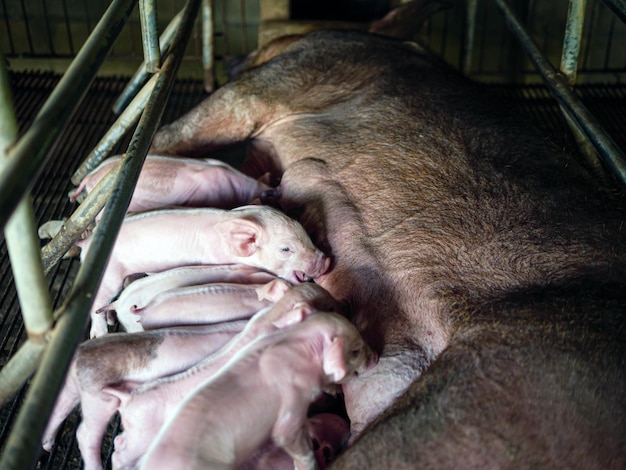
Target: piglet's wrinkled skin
139, 293
264, 391
193, 182
131, 359
203, 304
258, 236
144, 409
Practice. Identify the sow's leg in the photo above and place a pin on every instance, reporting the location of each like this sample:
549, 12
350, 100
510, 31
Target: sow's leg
234, 113
293, 84
514, 391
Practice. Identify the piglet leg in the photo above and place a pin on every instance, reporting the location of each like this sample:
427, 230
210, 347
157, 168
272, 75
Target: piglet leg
92, 428
290, 433
66, 401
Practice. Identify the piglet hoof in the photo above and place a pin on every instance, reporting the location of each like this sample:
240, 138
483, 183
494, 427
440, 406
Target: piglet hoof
98, 328
47, 444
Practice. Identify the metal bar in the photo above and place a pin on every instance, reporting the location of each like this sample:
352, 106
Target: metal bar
572, 39
68, 28
141, 75
244, 23
150, 35
470, 33
208, 45
481, 46
8, 129
608, 151
7, 24
28, 155
124, 122
24, 252
27, 25
87, 17
22, 446
225, 31
78, 222
444, 33
23, 247
40, 55
21, 366
47, 21
609, 45
588, 43
569, 65
618, 7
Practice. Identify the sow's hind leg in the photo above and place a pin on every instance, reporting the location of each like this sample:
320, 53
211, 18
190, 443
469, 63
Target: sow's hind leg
234, 113
240, 110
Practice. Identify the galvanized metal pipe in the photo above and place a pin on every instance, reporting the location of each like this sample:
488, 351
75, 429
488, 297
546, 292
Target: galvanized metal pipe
79, 221
23, 247
141, 75
22, 447
122, 124
28, 155
21, 366
470, 33
569, 66
610, 154
618, 7
150, 35
207, 45
572, 39
32, 288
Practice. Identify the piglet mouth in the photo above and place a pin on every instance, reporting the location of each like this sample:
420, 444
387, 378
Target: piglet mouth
302, 277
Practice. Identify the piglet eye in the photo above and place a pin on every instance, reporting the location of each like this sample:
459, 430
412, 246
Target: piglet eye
285, 249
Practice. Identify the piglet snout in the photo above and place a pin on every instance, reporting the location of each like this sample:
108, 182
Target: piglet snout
318, 266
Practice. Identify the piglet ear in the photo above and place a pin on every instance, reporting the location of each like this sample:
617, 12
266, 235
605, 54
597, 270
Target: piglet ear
334, 362
241, 235
297, 314
273, 290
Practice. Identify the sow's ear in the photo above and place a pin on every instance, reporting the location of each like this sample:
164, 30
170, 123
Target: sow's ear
241, 235
334, 362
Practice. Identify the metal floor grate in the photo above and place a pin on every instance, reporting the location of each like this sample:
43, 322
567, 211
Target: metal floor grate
94, 117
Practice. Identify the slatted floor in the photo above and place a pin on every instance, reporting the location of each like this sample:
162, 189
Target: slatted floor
93, 118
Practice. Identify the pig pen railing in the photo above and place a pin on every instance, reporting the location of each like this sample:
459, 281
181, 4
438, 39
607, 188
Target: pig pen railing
53, 338
597, 146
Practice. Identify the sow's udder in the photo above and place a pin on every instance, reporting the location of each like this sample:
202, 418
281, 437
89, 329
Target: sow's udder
362, 277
